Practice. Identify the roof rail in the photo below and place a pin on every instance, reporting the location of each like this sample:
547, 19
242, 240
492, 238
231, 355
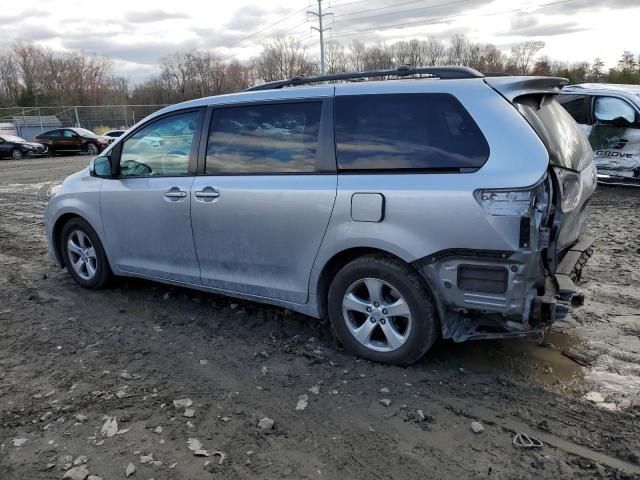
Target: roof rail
443, 73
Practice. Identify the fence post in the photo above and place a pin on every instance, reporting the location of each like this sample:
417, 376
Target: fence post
40, 117
126, 120
20, 129
75, 109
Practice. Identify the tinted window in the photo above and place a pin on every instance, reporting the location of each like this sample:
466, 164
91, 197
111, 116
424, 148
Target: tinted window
576, 105
68, 134
567, 145
53, 133
277, 138
161, 148
406, 131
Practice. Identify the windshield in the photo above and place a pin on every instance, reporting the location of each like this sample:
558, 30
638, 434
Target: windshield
85, 132
11, 138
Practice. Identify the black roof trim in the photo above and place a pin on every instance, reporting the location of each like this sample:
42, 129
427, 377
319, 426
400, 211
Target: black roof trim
443, 73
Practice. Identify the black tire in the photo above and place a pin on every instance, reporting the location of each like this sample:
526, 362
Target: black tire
92, 149
103, 274
51, 151
16, 154
424, 324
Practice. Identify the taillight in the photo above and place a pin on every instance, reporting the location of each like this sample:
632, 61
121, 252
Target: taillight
512, 203
570, 188
516, 202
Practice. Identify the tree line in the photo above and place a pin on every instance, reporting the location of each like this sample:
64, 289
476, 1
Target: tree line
31, 75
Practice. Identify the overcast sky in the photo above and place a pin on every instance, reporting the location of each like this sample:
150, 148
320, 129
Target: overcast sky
135, 34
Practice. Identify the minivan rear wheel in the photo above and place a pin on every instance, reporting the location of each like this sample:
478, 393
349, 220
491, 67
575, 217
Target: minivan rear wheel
84, 255
380, 310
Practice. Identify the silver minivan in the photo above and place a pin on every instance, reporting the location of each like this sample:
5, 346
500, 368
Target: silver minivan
435, 202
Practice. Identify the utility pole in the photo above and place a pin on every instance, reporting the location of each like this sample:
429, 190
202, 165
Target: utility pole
320, 29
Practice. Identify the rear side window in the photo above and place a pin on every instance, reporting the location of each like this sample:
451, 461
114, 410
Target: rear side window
53, 133
268, 138
576, 105
407, 132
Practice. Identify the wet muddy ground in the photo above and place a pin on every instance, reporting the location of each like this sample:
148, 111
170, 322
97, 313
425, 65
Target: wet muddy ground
72, 360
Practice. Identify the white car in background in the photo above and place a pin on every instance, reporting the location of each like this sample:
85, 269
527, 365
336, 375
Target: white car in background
609, 115
110, 136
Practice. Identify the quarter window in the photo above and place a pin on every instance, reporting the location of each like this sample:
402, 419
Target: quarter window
269, 138
161, 148
406, 132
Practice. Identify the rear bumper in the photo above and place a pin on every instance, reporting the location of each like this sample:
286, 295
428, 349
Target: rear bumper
530, 302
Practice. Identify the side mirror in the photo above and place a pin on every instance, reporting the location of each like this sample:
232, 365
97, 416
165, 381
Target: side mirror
100, 167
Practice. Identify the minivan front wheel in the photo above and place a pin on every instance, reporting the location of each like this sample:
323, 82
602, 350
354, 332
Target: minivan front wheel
380, 310
84, 255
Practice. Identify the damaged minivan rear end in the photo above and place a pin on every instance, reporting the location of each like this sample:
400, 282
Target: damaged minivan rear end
522, 290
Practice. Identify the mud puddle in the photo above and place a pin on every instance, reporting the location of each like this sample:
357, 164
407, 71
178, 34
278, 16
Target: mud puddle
540, 362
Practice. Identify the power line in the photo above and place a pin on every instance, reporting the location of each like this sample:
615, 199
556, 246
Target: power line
265, 38
428, 7
267, 27
442, 19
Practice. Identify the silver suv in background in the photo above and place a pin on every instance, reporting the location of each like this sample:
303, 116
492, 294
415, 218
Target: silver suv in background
609, 115
448, 205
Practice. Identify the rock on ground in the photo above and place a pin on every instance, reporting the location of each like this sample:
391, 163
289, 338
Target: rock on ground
76, 473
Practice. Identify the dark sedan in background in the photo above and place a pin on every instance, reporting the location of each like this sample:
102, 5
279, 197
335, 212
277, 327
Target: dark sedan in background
18, 148
71, 140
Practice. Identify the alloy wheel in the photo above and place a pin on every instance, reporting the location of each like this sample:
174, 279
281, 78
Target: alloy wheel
376, 314
82, 255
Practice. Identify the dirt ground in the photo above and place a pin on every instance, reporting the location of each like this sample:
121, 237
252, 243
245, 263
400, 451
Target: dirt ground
72, 361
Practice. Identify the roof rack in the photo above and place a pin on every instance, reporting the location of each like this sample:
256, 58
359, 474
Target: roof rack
443, 73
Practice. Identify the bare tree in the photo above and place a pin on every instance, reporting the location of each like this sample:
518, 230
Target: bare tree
434, 51
458, 51
522, 55
335, 56
283, 58
356, 57
595, 73
378, 58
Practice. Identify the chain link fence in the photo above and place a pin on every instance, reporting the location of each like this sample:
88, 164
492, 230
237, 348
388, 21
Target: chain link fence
98, 118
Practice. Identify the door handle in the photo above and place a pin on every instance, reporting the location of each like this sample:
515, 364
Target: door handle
207, 194
175, 194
